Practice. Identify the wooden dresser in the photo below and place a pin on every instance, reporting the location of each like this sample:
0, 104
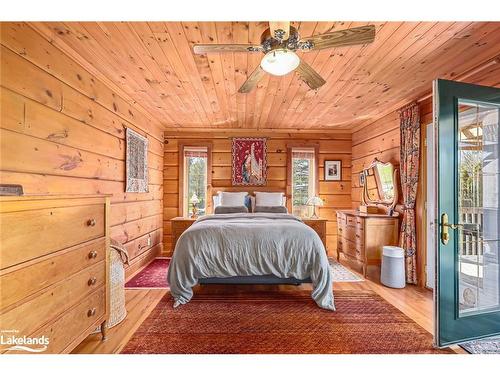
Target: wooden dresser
360, 237
53, 269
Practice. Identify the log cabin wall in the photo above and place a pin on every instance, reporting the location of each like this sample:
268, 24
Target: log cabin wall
335, 146
381, 139
63, 132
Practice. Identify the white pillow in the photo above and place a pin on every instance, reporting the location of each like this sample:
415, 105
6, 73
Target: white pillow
216, 200
232, 199
268, 199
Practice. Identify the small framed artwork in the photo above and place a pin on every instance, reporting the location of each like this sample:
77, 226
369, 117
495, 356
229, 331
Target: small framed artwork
249, 161
333, 170
136, 163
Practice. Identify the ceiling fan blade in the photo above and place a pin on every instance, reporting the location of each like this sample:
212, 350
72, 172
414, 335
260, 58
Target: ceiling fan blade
309, 75
252, 80
280, 25
200, 49
348, 37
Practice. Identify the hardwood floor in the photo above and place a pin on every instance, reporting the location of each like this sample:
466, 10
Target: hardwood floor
413, 301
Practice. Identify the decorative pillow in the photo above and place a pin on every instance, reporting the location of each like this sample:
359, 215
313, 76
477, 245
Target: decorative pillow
232, 199
268, 199
272, 209
230, 210
252, 201
248, 202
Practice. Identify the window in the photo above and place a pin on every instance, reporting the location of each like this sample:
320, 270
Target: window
303, 178
195, 180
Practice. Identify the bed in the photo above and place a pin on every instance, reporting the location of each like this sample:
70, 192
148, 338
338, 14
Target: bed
250, 248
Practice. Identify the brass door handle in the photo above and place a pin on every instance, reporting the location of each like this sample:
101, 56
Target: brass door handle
445, 235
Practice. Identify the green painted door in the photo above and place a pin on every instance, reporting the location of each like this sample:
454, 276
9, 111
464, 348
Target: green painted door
467, 294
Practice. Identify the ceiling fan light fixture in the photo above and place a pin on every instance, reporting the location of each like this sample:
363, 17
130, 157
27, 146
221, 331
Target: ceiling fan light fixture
280, 62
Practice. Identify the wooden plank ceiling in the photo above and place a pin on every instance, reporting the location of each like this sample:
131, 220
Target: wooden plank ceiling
153, 64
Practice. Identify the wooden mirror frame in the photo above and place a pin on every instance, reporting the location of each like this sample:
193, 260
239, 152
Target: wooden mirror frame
388, 206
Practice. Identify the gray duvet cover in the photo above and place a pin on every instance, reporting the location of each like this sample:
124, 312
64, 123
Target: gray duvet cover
246, 245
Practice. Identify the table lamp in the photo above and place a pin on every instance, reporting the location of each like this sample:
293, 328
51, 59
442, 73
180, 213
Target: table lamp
194, 201
314, 201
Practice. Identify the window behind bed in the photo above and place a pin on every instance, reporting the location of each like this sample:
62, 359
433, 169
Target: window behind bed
195, 179
303, 179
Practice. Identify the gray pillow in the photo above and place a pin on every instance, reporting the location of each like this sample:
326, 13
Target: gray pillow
230, 209
272, 209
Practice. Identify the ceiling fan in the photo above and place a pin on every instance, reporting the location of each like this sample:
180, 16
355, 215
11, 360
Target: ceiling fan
279, 43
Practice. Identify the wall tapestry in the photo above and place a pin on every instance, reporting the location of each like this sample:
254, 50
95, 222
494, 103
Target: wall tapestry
136, 163
249, 161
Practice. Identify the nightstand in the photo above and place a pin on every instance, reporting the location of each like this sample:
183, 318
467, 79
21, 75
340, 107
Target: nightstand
179, 225
319, 226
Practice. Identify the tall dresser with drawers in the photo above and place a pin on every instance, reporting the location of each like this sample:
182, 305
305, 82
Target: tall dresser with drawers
54, 257
361, 236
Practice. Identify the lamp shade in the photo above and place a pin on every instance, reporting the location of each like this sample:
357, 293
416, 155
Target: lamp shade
315, 201
280, 62
194, 199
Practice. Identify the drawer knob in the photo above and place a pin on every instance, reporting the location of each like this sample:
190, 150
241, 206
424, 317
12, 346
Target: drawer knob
91, 312
92, 281
91, 222
93, 254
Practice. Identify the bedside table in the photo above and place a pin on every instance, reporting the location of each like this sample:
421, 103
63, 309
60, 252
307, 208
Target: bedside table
179, 225
319, 226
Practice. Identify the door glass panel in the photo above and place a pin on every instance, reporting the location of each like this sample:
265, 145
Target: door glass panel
478, 208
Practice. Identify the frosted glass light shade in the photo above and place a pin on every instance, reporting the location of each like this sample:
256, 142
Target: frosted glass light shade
314, 201
195, 199
280, 62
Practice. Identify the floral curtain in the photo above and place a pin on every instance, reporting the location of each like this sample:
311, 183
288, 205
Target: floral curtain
409, 164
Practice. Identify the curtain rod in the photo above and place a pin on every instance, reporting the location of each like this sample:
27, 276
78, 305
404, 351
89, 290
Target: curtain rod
467, 74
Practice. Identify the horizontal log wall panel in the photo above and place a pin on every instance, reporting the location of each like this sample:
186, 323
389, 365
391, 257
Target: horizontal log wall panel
24, 40
63, 132
336, 194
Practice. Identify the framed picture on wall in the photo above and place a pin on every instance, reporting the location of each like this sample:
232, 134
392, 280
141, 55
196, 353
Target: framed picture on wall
249, 161
136, 163
333, 170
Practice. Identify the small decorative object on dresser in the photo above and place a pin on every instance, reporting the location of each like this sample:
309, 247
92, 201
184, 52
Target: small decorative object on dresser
136, 163
319, 226
179, 225
11, 190
54, 270
333, 170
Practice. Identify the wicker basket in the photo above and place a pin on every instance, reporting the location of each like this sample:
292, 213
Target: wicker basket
117, 286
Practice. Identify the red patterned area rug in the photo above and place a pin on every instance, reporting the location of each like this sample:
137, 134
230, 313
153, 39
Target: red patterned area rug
153, 276
279, 322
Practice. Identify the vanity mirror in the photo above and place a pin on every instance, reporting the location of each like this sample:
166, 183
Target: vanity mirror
380, 189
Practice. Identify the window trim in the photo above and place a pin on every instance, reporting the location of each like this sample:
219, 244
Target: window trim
181, 176
289, 177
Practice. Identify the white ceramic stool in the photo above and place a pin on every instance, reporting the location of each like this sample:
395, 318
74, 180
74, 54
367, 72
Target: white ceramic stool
393, 267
